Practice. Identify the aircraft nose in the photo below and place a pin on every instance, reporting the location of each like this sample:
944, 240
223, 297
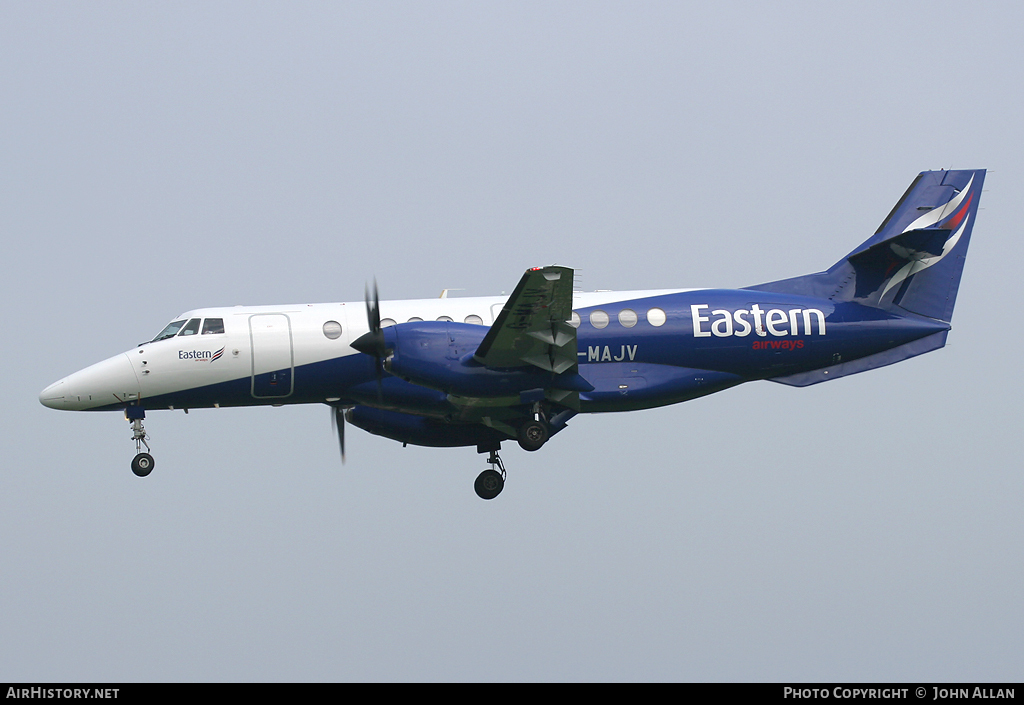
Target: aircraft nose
111, 381
53, 396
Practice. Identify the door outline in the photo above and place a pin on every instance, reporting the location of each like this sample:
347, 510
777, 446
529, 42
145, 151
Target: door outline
268, 352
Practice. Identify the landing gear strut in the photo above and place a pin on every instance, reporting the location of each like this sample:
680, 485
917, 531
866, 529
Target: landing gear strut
142, 463
490, 482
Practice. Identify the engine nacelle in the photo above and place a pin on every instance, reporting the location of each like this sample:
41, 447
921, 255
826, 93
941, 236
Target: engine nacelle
439, 355
422, 430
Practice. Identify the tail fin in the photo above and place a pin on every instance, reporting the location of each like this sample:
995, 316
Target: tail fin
915, 258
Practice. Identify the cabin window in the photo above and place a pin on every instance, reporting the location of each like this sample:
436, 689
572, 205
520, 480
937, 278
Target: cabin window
627, 318
575, 320
191, 328
474, 319
444, 318
170, 331
598, 319
656, 317
385, 322
212, 326
332, 329
414, 319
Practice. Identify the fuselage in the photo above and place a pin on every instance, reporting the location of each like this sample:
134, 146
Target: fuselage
637, 349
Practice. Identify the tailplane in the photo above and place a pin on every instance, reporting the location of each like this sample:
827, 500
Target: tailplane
915, 258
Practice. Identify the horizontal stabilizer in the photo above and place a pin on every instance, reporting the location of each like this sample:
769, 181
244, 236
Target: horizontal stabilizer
913, 244
876, 264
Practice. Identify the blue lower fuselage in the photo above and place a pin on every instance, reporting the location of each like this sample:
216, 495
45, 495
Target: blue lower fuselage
637, 351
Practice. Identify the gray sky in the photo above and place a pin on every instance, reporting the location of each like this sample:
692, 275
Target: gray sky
161, 157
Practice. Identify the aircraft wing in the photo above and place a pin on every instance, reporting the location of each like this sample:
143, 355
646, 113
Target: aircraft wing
533, 328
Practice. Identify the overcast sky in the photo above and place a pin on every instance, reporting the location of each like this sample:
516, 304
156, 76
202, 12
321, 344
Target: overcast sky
158, 157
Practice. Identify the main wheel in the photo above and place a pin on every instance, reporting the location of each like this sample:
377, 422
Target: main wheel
142, 464
533, 434
489, 484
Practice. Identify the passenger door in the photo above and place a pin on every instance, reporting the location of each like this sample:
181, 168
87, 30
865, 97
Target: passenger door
272, 358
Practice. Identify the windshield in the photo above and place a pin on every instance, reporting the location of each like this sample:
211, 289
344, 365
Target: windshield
169, 331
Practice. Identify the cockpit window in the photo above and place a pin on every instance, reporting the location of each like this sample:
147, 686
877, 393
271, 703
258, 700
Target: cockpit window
213, 325
170, 331
191, 328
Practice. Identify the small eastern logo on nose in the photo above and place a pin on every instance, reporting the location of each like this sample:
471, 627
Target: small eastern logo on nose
200, 355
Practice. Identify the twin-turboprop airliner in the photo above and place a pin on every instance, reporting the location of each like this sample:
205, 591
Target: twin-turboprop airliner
482, 371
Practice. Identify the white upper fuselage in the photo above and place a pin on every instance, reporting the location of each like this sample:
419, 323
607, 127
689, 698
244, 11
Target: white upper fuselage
257, 340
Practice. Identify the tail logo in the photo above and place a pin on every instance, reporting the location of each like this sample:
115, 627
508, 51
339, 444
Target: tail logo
940, 212
936, 215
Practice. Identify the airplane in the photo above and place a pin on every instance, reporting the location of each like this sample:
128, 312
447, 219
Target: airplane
469, 371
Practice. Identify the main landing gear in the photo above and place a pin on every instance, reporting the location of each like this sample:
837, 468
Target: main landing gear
536, 431
533, 434
491, 482
142, 463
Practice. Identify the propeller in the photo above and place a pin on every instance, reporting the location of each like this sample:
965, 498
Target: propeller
372, 343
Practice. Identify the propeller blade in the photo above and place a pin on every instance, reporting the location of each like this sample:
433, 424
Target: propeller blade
373, 308
372, 343
338, 426
380, 335
376, 303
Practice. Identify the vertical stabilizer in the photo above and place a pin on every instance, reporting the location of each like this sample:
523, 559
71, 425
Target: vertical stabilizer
916, 257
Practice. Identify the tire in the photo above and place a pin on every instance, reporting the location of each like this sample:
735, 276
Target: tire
489, 484
533, 435
142, 464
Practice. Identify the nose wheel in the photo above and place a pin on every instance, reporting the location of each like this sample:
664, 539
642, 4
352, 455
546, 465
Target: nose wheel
491, 482
142, 463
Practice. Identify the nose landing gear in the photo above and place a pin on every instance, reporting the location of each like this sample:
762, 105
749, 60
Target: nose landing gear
142, 463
